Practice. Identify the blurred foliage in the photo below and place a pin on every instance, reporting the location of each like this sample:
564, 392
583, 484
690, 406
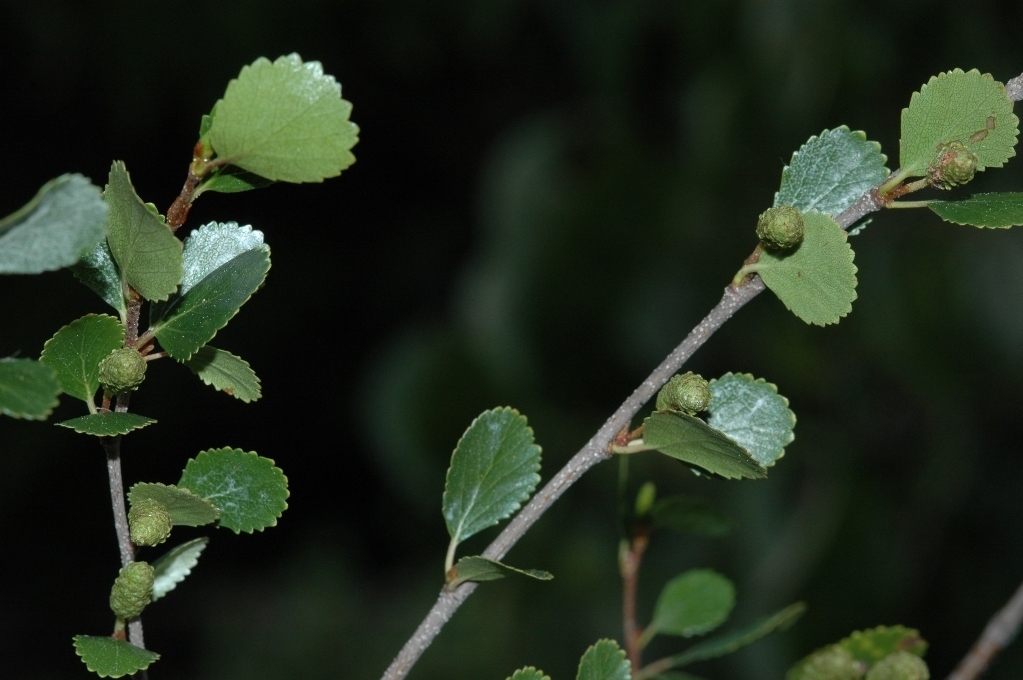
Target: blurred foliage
548, 196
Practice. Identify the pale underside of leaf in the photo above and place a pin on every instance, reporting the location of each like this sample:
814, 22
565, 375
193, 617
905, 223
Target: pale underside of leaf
481, 569
831, 171
28, 389
752, 413
692, 441
60, 224
817, 279
604, 660
995, 211
175, 565
185, 507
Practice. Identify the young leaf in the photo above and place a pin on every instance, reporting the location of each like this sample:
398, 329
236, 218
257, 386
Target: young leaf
693, 603
529, 673
493, 471
817, 280
107, 424
481, 569
983, 210
604, 661
752, 413
285, 121
870, 646
249, 491
186, 509
28, 389
692, 441
232, 180
53, 230
98, 271
175, 565
224, 371
146, 252
830, 172
110, 658
691, 515
75, 351
967, 107
740, 637
193, 319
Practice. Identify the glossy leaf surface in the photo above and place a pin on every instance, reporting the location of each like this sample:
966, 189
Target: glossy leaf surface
110, 658
983, 210
692, 441
249, 491
286, 121
186, 508
60, 224
225, 372
75, 351
831, 171
99, 272
693, 603
28, 389
107, 424
481, 569
493, 470
817, 280
604, 661
752, 413
175, 565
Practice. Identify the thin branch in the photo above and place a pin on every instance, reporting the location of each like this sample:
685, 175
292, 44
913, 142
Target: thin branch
631, 562
999, 632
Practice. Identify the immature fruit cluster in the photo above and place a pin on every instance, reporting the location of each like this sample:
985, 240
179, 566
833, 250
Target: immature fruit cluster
953, 164
150, 522
123, 370
687, 393
133, 590
900, 666
833, 663
780, 228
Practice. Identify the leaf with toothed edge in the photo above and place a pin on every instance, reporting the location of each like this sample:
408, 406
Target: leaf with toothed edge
28, 389
175, 565
76, 350
604, 660
831, 171
752, 413
996, 211
186, 508
108, 424
249, 491
693, 442
529, 673
225, 372
110, 658
481, 569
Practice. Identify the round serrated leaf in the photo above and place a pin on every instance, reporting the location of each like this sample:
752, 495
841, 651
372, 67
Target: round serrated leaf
996, 211
693, 603
751, 412
110, 658
529, 673
286, 121
249, 491
172, 567
604, 661
186, 508
28, 389
76, 350
967, 107
493, 471
107, 424
816, 280
831, 171
692, 441
225, 372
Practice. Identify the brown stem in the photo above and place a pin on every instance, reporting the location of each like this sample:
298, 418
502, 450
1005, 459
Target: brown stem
631, 562
999, 632
131, 322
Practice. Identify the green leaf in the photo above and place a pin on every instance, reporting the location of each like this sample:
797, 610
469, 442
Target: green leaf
691, 515
529, 673
983, 210
740, 637
28, 389
186, 509
232, 180
98, 271
62, 222
693, 603
493, 471
816, 280
193, 319
967, 107
110, 658
752, 413
285, 121
604, 661
692, 441
226, 372
249, 491
830, 172
870, 646
75, 351
146, 251
481, 569
172, 567
107, 424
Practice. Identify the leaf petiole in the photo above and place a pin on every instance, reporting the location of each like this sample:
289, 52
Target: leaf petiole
635, 446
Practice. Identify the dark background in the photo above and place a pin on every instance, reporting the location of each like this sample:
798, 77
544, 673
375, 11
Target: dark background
548, 195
